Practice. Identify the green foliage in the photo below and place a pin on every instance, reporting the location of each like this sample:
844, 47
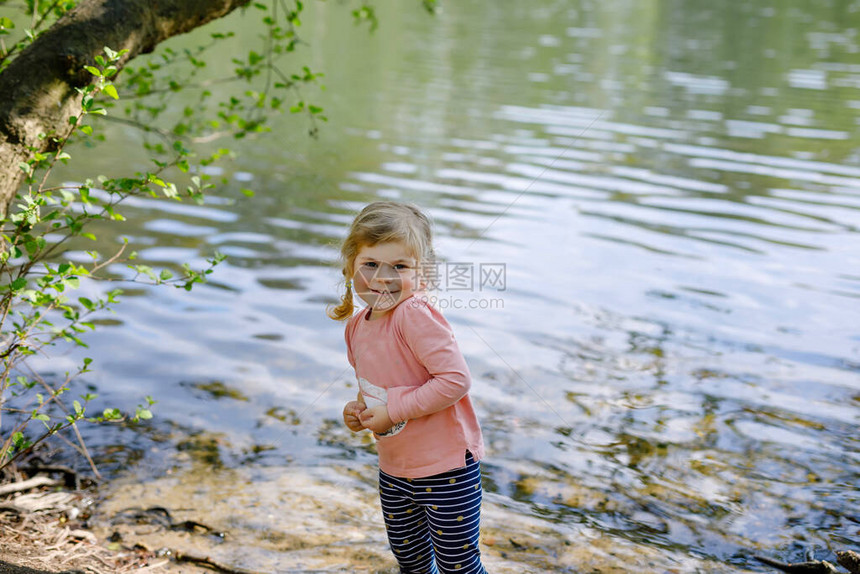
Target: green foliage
366, 14
41, 14
432, 6
261, 85
38, 307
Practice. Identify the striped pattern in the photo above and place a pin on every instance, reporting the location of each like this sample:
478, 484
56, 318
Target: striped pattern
433, 523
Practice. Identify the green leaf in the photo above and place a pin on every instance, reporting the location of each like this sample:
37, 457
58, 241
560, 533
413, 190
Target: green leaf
248, 192
94, 71
110, 90
144, 270
111, 414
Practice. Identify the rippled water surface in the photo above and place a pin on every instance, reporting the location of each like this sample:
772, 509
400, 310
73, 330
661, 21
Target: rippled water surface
671, 364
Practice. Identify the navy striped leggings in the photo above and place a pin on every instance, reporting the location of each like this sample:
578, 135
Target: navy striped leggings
433, 522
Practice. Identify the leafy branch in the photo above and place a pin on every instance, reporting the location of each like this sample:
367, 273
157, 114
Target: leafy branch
45, 220
41, 13
35, 308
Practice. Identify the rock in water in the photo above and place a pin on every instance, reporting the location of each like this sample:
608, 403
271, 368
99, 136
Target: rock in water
812, 567
849, 560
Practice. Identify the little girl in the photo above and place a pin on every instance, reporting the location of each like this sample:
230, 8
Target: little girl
413, 394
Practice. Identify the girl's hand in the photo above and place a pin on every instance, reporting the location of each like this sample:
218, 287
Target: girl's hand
376, 419
351, 412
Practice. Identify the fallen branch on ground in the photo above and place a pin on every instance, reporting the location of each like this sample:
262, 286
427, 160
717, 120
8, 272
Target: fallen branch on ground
35, 482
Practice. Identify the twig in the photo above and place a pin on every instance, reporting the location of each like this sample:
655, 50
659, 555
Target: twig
204, 84
109, 261
206, 561
45, 15
210, 137
30, 484
83, 451
83, 447
153, 566
9, 351
811, 567
165, 135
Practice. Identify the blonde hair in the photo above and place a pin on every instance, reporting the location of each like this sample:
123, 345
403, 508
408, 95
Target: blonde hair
381, 222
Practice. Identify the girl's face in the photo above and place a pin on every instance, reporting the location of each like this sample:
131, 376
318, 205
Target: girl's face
385, 275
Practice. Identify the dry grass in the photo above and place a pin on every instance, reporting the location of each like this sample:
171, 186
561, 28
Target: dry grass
36, 532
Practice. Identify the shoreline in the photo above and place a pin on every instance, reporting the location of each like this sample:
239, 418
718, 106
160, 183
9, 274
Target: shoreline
298, 519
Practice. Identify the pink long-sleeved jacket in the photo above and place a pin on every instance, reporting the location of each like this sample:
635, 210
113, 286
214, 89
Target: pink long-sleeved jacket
412, 354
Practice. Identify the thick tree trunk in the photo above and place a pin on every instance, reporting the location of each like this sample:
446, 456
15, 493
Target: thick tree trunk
37, 89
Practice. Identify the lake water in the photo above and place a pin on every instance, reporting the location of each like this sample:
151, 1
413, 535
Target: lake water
648, 217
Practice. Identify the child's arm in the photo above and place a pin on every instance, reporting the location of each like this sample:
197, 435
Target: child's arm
431, 339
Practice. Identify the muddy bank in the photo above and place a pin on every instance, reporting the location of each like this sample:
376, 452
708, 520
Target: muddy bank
326, 519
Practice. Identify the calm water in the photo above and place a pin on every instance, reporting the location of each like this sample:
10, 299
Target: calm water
670, 363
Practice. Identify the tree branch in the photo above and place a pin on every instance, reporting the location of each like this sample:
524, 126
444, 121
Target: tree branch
37, 89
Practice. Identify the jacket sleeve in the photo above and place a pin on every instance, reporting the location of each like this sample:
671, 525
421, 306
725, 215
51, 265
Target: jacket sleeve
430, 338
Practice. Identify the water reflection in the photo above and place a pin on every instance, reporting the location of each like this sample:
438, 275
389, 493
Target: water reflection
693, 457
673, 188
